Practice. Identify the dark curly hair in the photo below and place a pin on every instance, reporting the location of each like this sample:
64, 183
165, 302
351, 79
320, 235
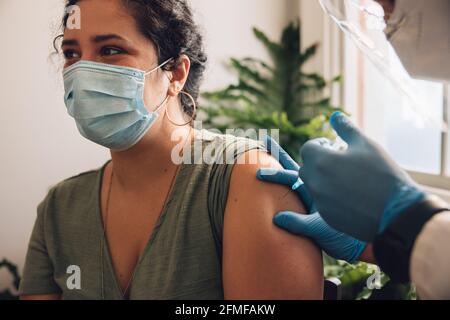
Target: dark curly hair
170, 25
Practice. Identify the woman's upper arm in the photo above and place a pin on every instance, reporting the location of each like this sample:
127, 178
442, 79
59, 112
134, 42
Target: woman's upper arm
260, 261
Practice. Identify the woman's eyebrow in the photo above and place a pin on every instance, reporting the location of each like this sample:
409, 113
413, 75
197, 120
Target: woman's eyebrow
106, 37
69, 42
95, 39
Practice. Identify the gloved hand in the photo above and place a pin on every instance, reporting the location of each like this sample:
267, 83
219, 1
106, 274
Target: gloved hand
359, 191
289, 176
335, 244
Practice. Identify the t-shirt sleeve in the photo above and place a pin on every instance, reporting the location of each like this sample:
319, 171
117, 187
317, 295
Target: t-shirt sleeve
219, 184
37, 278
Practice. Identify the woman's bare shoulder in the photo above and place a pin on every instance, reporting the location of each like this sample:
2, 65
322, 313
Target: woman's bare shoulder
269, 263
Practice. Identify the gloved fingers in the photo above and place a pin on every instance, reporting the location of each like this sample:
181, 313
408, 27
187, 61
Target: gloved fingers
282, 156
284, 177
305, 193
307, 199
288, 178
340, 245
336, 244
345, 128
359, 248
295, 223
316, 149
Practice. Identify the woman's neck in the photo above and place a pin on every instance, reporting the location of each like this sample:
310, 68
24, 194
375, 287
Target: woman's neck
150, 159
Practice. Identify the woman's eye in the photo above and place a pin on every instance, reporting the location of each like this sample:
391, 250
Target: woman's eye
110, 51
70, 54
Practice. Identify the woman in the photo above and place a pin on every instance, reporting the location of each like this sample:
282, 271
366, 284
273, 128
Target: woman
142, 226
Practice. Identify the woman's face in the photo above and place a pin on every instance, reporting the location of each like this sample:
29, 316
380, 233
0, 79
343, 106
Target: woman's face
109, 34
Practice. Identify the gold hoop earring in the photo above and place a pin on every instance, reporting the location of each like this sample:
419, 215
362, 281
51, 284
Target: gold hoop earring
193, 114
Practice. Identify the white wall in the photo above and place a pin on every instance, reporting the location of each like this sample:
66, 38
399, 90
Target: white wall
313, 31
319, 28
228, 29
39, 143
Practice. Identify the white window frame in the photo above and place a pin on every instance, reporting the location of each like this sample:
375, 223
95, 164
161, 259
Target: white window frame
441, 181
330, 61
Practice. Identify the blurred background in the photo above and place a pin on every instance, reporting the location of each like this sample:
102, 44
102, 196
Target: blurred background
257, 50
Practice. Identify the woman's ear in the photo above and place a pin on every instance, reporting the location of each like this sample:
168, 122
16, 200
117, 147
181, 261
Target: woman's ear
180, 75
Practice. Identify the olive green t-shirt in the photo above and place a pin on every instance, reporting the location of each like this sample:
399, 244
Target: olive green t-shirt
67, 253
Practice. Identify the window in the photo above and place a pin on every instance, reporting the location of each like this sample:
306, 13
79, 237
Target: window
420, 146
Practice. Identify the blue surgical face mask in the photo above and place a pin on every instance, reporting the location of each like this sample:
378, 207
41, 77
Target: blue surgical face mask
107, 103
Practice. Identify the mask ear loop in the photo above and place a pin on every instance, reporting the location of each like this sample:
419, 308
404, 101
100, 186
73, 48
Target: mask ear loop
159, 107
167, 98
158, 67
193, 114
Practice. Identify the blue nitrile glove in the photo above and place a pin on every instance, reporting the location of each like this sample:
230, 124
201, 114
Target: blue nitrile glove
359, 191
335, 244
288, 176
